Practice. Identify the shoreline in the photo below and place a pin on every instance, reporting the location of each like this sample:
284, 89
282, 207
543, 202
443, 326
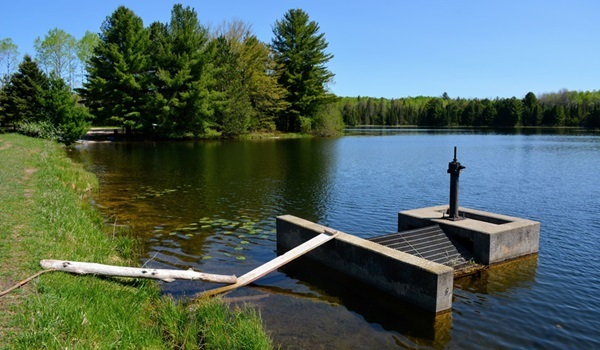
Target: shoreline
46, 215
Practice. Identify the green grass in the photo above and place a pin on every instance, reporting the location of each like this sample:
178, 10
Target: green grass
45, 215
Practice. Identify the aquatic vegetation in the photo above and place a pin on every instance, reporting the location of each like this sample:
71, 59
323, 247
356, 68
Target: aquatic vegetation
231, 236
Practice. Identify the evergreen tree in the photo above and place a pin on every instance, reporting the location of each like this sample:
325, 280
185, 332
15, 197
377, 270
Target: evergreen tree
115, 90
63, 111
593, 118
25, 93
508, 112
180, 74
43, 107
435, 113
554, 116
531, 110
488, 114
300, 52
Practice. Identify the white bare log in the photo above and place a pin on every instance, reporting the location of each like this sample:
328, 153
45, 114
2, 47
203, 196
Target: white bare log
166, 275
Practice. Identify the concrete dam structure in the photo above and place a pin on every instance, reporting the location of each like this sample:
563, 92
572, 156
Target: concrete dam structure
433, 246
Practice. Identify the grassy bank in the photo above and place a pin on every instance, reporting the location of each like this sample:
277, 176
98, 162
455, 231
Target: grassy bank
45, 215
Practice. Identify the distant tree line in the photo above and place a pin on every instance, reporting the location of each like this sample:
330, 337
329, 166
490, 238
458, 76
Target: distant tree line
563, 108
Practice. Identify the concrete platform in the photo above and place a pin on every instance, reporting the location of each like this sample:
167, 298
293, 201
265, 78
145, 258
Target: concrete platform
418, 281
413, 272
491, 238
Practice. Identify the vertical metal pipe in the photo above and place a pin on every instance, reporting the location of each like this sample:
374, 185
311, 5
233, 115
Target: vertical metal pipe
454, 169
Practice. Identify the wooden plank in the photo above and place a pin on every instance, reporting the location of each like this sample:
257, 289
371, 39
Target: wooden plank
274, 264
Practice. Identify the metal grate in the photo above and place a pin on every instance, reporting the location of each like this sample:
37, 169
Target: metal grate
430, 243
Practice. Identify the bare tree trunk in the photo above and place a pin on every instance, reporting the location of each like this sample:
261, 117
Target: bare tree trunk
83, 268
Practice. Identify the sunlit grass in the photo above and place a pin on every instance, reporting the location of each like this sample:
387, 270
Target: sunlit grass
45, 215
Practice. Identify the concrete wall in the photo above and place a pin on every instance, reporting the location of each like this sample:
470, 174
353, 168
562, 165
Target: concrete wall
494, 238
415, 280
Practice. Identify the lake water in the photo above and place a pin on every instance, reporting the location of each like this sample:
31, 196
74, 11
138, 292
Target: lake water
212, 205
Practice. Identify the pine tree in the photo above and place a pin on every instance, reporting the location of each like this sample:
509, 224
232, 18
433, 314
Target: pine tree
43, 107
531, 110
300, 53
25, 93
63, 111
180, 74
116, 90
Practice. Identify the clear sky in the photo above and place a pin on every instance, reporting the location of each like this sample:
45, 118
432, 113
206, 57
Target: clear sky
391, 48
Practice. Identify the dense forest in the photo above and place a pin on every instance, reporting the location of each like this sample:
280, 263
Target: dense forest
560, 109
180, 79
184, 79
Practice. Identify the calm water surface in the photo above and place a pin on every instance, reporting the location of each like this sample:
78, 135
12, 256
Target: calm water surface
212, 205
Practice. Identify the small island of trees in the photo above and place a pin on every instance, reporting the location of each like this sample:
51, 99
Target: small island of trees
182, 79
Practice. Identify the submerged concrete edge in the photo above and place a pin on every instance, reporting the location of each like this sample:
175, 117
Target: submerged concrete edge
418, 281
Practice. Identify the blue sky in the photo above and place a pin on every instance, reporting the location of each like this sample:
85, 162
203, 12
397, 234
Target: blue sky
393, 48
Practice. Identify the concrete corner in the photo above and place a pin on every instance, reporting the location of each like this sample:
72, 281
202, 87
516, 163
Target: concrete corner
421, 282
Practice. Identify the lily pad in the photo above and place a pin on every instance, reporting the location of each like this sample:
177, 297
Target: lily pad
206, 257
244, 242
240, 257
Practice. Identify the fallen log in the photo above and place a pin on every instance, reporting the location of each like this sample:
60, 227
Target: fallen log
166, 275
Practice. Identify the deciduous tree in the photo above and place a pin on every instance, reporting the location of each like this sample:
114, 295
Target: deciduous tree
256, 90
8, 59
57, 53
85, 51
233, 110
